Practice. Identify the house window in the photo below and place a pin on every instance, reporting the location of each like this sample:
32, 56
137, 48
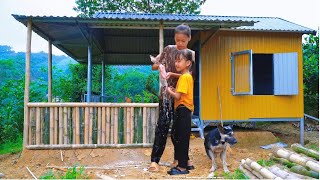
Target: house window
264, 74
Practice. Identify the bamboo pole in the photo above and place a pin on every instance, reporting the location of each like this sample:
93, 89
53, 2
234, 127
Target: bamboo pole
254, 172
116, 126
56, 122
111, 125
77, 125
263, 171
86, 125
99, 126
86, 146
90, 124
70, 127
31, 117
103, 125
149, 132
132, 124
144, 125
296, 158
41, 124
51, 125
285, 174
108, 126
247, 173
92, 104
153, 123
27, 84
74, 126
136, 129
60, 125
65, 125
38, 125
309, 152
49, 71
128, 133
125, 126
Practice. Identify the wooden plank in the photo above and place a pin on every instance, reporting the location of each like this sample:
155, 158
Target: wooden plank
128, 134
86, 125
132, 125
60, 125
99, 126
153, 123
88, 146
38, 125
103, 125
77, 125
108, 126
149, 125
91, 104
90, 124
73, 126
144, 125
56, 122
51, 124
125, 138
116, 125
49, 71
31, 117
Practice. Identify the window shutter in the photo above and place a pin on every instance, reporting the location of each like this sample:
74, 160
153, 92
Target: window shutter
285, 73
241, 69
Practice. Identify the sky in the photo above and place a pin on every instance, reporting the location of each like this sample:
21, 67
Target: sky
13, 33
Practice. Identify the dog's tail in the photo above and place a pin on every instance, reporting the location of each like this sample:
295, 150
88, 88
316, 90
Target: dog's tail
207, 146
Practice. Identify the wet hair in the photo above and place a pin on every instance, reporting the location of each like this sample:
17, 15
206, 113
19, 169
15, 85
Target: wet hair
183, 29
184, 54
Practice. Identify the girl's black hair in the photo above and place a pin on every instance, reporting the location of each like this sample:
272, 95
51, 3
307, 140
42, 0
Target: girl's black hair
183, 29
185, 54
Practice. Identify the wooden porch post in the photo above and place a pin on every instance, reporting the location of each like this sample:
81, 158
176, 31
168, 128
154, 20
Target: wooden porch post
160, 45
49, 71
27, 84
89, 76
102, 79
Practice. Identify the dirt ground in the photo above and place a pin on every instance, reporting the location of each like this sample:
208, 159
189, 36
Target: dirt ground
133, 163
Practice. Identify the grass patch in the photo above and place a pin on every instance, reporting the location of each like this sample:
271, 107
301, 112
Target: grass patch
72, 173
313, 147
265, 163
11, 147
237, 174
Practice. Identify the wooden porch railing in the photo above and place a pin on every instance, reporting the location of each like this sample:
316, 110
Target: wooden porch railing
90, 125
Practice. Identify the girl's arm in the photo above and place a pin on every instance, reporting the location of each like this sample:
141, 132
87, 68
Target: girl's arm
155, 66
175, 95
173, 75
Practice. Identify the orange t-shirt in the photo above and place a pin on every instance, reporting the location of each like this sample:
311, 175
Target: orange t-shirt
185, 87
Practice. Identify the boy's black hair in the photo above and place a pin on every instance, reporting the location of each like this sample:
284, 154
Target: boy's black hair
183, 29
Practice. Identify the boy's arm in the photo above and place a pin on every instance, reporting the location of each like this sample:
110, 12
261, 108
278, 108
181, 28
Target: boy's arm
175, 95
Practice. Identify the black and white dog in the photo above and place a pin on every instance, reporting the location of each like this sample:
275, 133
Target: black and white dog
216, 142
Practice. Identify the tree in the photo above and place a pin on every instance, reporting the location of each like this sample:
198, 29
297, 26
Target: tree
311, 74
88, 7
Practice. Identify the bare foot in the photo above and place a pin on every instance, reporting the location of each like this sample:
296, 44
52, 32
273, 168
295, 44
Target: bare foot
154, 167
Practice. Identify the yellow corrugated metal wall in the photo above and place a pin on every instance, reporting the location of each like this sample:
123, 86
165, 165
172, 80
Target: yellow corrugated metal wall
216, 71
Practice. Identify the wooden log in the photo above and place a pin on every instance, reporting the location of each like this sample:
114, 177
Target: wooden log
56, 123
38, 125
111, 125
302, 170
103, 125
296, 158
90, 124
309, 152
108, 125
86, 146
51, 125
116, 125
132, 124
247, 173
60, 125
86, 125
144, 125
263, 171
91, 104
99, 126
65, 125
77, 125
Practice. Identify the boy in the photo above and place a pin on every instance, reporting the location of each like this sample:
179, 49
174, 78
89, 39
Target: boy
183, 105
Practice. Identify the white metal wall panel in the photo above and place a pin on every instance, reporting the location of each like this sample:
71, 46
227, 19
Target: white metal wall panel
285, 73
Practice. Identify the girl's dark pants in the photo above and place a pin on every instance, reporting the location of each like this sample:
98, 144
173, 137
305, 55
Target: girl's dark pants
180, 135
166, 114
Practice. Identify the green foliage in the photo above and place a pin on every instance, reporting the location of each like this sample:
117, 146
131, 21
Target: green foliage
265, 163
11, 147
72, 173
237, 174
311, 75
313, 146
88, 8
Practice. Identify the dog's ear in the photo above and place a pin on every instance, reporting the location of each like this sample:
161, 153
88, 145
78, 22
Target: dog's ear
220, 128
